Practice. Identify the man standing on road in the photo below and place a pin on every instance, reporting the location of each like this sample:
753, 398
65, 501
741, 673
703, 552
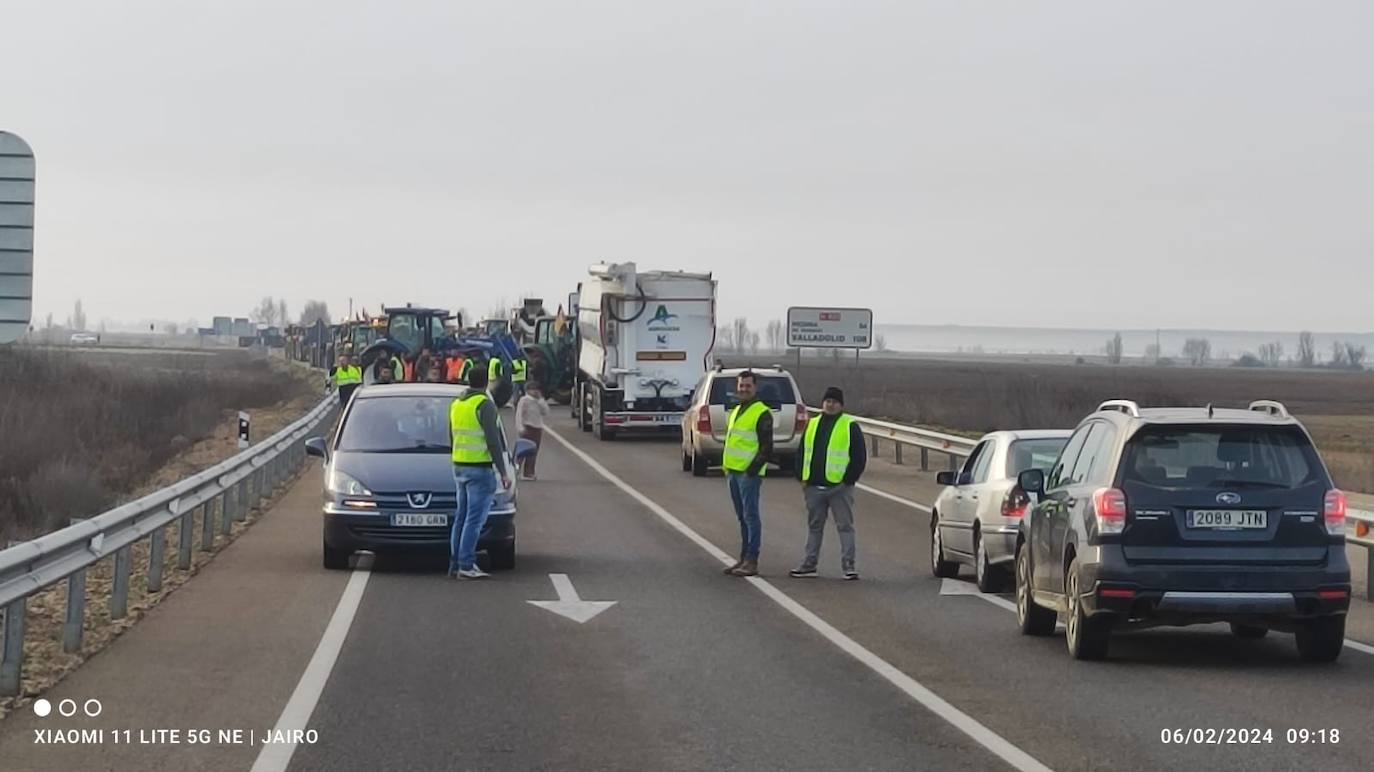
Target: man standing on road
833, 458
346, 377
519, 373
748, 446
477, 462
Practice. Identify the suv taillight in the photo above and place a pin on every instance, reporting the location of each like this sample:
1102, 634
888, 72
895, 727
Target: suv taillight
1335, 512
1015, 503
1109, 507
704, 419
801, 417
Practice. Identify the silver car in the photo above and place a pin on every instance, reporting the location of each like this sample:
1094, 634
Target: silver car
975, 519
703, 423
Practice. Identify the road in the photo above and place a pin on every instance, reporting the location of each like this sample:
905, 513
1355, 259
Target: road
688, 670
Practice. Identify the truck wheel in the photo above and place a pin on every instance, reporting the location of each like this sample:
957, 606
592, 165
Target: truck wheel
599, 427
584, 409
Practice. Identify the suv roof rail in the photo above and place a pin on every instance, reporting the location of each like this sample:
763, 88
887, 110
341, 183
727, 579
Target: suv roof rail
1127, 406
1270, 406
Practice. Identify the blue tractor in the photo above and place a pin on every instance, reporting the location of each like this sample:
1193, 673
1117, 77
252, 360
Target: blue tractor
411, 329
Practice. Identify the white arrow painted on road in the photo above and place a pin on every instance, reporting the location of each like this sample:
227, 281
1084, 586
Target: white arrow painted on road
568, 604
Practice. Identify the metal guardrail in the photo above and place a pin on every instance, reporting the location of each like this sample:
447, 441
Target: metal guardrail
955, 447
218, 496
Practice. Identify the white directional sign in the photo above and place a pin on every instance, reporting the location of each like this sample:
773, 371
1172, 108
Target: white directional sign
809, 327
569, 604
16, 237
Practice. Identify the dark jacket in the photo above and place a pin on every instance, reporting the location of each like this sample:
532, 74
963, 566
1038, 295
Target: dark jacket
858, 454
765, 430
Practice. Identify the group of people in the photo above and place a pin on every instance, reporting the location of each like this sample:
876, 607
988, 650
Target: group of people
831, 461
426, 367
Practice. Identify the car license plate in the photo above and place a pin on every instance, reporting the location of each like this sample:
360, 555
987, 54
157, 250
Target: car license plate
1228, 518
418, 519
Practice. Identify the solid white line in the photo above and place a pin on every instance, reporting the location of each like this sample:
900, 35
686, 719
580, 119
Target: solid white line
965, 723
296, 715
891, 497
1357, 646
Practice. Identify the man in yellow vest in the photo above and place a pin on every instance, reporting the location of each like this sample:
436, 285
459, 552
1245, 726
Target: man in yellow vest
833, 458
494, 369
478, 461
519, 373
748, 446
346, 377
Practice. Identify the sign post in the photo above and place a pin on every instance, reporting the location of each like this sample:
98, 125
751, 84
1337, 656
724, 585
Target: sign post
16, 237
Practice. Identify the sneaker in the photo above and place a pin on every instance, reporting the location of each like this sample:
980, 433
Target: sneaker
851, 575
802, 573
747, 568
473, 573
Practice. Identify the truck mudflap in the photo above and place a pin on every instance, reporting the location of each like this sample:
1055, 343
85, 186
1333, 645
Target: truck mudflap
632, 419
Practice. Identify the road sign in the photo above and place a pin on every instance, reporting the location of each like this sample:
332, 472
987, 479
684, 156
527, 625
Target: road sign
16, 237
243, 429
809, 327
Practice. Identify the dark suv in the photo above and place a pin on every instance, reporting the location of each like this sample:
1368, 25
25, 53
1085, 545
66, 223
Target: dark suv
1179, 516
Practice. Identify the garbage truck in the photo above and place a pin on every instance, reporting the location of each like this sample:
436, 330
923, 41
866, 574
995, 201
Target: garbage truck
644, 341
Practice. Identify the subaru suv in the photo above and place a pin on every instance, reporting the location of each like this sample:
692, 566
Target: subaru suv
1180, 516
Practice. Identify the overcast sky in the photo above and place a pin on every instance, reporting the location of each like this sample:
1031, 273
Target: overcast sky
1089, 164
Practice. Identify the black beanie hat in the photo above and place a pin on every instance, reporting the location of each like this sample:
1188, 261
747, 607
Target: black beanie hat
834, 393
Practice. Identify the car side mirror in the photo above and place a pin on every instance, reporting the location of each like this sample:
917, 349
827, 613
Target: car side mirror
965, 478
1032, 481
315, 446
944, 478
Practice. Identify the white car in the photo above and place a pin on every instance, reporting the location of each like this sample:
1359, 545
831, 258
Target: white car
975, 519
703, 424
84, 337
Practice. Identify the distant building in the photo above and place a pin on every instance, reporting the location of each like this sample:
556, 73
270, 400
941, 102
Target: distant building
223, 325
244, 328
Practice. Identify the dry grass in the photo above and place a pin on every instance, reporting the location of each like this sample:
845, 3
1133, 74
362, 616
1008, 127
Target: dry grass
976, 397
83, 431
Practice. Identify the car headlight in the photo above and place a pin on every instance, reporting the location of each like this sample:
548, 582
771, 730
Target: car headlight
345, 485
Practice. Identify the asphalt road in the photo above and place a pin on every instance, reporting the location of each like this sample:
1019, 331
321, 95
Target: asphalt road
688, 670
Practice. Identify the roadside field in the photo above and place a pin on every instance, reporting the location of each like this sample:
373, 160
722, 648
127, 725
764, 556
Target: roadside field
976, 397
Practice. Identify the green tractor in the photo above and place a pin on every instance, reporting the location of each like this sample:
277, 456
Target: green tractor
552, 357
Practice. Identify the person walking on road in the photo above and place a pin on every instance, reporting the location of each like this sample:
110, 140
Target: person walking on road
832, 460
748, 447
530, 414
478, 460
347, 377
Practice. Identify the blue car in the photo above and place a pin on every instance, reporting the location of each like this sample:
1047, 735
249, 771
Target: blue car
388, 478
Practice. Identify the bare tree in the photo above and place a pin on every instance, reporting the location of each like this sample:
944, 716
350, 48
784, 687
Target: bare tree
1338, 354
754, 342
1115, 349
78, 321
314, 310
1197, 351
776, 338
1354, 356
880, 341
1152, 352
725, 336
266, 312
1307, 350
740, 331
1271, 354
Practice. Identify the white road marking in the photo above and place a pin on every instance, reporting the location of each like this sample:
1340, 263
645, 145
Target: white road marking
891, 497
965, 723
960, 587
296, 714
569, 604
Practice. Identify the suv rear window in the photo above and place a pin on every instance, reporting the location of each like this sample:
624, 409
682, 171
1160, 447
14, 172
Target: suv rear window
774, 390
1228, 456
1033, 454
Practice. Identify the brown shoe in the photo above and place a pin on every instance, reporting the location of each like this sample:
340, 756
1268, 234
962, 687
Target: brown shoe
747, 568
730, 570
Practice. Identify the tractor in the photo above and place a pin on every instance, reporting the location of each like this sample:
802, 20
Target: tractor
411, 329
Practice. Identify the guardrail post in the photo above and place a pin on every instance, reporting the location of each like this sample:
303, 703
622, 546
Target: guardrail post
925, 460
241, 500
188, 523
157, 549
875, 447
207, 528
897, 451
119, 596
228, 506
953, 463
12, 653
75, 625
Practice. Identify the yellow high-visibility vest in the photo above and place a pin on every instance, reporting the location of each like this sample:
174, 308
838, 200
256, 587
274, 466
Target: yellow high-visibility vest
494, 370
836, 449
469, 440
742, 437
348, 376
519, 370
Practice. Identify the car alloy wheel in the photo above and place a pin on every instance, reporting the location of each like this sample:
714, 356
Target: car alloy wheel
980, 567
1071, 625
937, 549
1022, 588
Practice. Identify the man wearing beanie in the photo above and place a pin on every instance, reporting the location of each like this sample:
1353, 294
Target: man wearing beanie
832, 460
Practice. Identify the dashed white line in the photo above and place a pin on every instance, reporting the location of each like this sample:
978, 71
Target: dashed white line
296, 714
965, 723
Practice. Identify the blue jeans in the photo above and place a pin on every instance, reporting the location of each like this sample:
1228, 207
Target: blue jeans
744, 494
476, 489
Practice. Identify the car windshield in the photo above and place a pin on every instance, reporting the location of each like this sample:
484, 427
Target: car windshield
1227, 456
397, 425
1033, 454
774, 390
